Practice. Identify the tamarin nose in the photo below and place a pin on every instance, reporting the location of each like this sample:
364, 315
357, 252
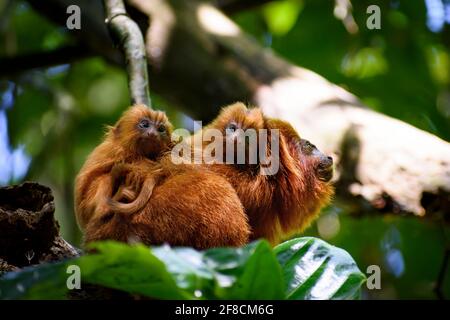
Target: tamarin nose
151, 132
326, 161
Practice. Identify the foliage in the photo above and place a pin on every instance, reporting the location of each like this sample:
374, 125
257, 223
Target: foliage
304, 268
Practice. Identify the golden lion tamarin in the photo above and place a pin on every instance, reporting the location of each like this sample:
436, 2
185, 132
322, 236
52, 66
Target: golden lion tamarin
277, 204
141, 134
286, 201
201, 205
189, 206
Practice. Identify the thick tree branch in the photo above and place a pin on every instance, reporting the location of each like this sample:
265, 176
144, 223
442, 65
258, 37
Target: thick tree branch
18, 64
205, 61
130, 40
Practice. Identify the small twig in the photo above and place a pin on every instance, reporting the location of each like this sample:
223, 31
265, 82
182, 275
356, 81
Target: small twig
131, 42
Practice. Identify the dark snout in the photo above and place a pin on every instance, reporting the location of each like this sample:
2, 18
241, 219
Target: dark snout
325, 168
323, 164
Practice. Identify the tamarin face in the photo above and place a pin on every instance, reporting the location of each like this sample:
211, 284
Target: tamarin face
323, 165
238, 116
304, 153
236, 119
143, 131
240, 128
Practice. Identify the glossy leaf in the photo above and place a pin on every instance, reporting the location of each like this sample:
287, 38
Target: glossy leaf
251, 272
316, 270
130, 268
46, 281
310, 269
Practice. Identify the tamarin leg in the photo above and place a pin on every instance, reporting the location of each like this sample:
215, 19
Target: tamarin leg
101, 198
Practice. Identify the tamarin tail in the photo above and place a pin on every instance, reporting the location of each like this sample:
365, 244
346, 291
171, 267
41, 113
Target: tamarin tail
137, 204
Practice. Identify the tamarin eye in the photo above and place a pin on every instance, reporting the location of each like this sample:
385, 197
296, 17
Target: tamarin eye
144, 124
162, 128
308, 148
231, 127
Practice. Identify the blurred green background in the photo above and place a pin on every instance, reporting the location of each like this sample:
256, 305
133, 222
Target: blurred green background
52, 118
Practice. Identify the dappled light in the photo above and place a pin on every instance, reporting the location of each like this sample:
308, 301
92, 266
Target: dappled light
215, 22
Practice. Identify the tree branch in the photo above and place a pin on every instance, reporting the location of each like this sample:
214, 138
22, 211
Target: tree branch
18, 64
130, 40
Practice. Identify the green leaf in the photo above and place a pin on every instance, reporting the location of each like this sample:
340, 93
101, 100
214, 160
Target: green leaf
281, 16
314, 269
46, 281
310, 269
130, 268
365, 63
251, 272
115, 265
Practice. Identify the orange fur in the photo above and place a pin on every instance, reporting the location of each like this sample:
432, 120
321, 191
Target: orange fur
203, 206
126, 142
190, 206
155, 201
284, 203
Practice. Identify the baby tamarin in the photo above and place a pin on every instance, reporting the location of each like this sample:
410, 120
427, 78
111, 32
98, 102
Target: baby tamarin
129, 190
141, 134
286, 201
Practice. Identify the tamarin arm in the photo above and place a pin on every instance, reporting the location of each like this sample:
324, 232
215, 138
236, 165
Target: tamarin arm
100, 200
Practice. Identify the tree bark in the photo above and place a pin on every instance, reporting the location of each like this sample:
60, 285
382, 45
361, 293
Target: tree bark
29, 232
200, 60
